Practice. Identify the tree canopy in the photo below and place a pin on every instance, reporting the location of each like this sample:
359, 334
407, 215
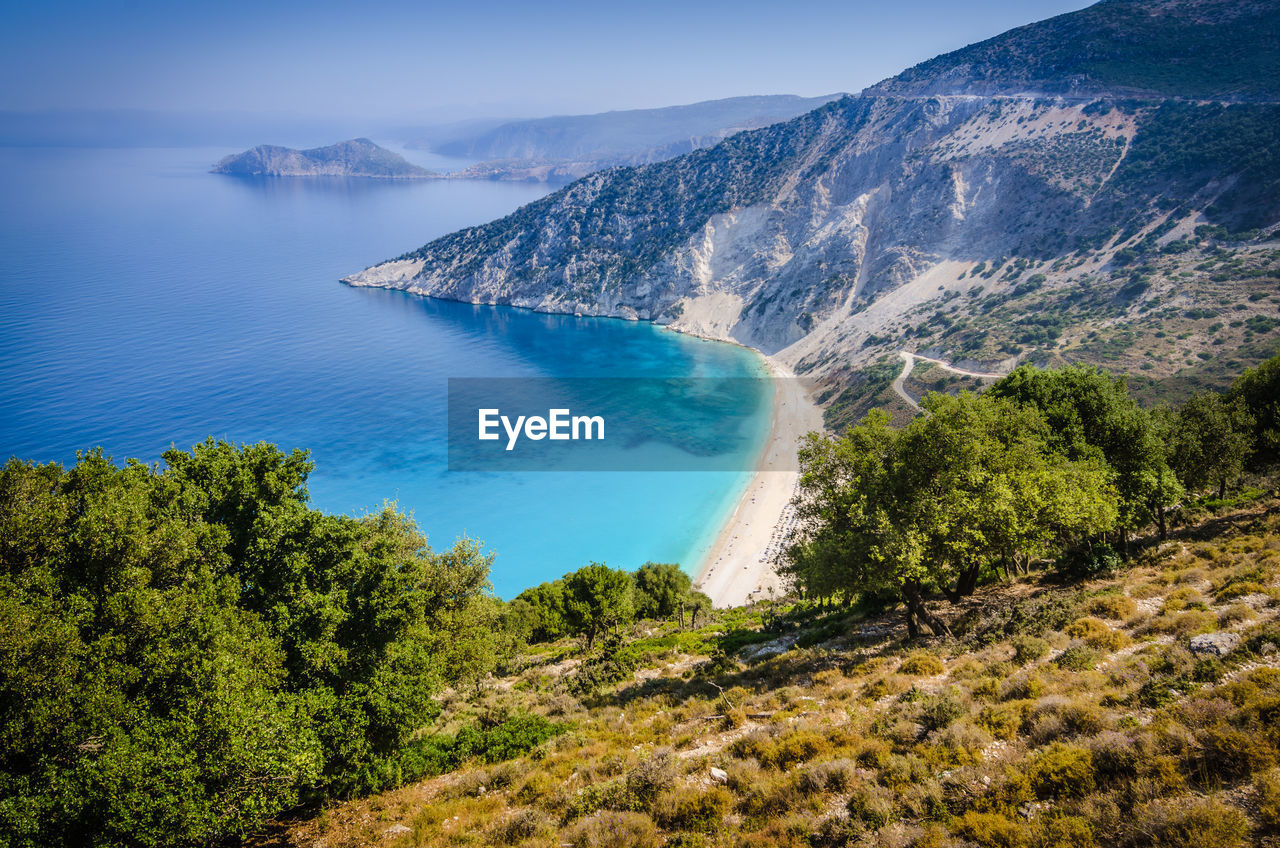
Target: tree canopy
972, 484
190, 649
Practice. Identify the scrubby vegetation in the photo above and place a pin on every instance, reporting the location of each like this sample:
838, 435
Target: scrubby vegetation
191, 651
856, 734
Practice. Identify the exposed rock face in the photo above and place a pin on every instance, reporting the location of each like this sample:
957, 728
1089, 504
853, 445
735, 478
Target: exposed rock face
356, 158
811, 237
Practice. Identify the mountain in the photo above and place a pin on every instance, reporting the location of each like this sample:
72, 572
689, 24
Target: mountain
356, 158
982, 207
1218, 49
567, 147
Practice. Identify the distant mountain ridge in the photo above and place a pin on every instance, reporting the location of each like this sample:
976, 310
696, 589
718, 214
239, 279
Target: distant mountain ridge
358, 157
570, 146
995, 222
630, 133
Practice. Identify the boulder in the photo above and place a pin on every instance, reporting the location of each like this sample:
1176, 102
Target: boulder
1214, 644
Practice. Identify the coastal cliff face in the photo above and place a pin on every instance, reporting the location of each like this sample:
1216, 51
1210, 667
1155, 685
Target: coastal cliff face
356, 158
906, 217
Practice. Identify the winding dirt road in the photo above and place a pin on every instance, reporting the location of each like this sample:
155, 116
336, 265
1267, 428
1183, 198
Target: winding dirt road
909, 362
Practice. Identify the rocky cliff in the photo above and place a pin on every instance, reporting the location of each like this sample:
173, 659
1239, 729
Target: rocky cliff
356, 158
908, 217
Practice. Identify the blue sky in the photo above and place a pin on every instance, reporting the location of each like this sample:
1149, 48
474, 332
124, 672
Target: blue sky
430, 60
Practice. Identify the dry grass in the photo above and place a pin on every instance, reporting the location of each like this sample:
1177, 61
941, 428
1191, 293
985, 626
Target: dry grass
1090, 723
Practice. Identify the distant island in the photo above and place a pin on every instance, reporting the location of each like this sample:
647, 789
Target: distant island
358, 157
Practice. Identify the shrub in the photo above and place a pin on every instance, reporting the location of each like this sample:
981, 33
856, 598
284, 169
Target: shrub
525, 824
1239, 589
1061, 771
899, 771
538, 785
609, 794
1077, 658
1182, 624
1235, 614
892, 685
922, 664
694, 811
1022, 687
615, 830
1266, 787
1191, 823
1059, 717
990, 829
651, 777
1003, 721
612, 664
1055, 830
1233, 754
1028, 649
833, 776
940, 709
1118, 758
872, 806
1089, 561
1116, 607
796, 747
1097, 634
1184, 598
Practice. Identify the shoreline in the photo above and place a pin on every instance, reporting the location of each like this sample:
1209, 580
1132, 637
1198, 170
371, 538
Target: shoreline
739, 567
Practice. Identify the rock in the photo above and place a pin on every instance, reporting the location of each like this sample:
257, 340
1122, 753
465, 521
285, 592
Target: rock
768, 650
719, 775
1214, 644
396, 830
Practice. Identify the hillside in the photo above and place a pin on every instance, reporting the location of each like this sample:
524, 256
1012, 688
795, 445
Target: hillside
1130, 709
571, 146
904, 218
1213, 49
356, 158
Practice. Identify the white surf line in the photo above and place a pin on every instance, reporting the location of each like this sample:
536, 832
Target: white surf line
909, 362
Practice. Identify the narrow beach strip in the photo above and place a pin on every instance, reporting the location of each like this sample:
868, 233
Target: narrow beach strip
739, 568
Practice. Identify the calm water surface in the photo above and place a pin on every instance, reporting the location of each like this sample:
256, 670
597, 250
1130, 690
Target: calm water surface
145, 302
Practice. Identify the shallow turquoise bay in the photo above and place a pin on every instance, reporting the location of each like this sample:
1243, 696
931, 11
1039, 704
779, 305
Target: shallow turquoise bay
145, 302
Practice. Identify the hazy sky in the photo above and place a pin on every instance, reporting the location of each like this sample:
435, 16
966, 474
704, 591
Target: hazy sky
432, 59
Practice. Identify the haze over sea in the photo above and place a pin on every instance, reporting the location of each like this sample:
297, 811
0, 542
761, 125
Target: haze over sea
145, 302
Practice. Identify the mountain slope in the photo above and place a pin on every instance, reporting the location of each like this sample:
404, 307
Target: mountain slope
938, 222
356, 158
1221, 49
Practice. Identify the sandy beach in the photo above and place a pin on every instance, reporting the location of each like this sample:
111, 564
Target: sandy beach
740, 566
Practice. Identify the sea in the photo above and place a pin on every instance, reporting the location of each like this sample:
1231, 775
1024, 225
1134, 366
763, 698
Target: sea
147, 303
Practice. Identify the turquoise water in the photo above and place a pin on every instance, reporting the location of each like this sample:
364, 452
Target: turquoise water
145, 302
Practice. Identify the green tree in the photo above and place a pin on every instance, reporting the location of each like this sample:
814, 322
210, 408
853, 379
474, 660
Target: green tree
1210, 440
541, 610
843, 511
662, 590
1091, 415
970, 485
596, 598
187, 651
1259, 390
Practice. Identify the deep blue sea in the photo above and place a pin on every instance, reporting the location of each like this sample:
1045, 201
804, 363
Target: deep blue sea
145, 302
